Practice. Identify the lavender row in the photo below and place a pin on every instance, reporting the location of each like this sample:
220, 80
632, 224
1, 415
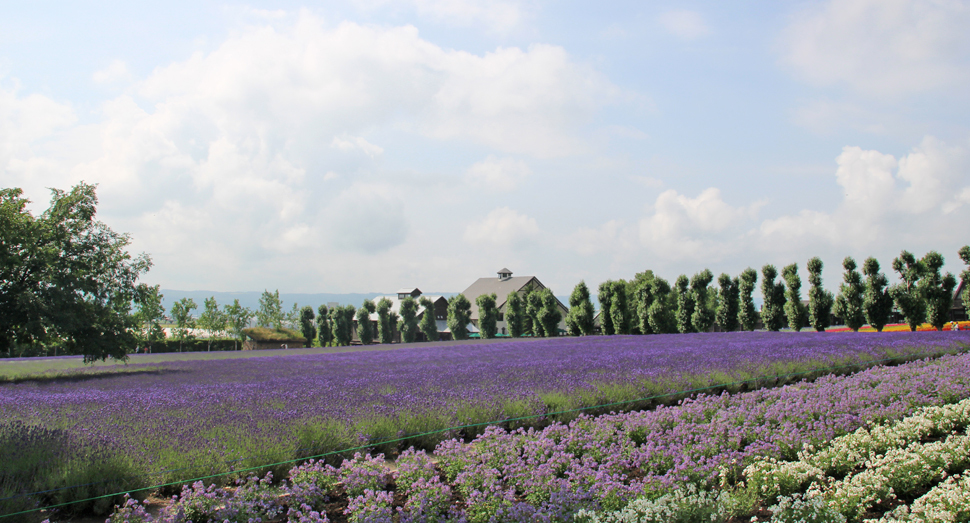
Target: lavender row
597, 464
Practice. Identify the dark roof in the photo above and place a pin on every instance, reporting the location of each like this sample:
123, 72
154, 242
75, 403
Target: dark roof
505, 271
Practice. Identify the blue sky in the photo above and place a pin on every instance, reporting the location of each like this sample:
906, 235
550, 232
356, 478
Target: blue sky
378, 144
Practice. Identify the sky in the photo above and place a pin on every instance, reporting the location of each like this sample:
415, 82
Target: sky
372, 145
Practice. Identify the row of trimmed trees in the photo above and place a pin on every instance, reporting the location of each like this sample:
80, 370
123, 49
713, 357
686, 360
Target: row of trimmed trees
648, 304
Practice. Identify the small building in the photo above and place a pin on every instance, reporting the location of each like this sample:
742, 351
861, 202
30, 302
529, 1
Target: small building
260, 338
502, 287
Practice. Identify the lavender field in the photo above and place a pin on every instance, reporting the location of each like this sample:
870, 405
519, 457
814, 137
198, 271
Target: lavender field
173, 421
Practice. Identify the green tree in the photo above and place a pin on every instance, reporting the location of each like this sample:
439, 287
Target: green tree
640, 294
820, 301
65, 278
773, 294
184, 322
795, 311
728, 302
605, 297
212, 320
365, 331
685, 305
307, 326
324, 328
270, 313
579, 319
459, 314
848, 304
549, 315
409, 322
487, 315
877, 304
937, 290
342, 320
965, 277
747, 315
513, 314
149, 315
533, 304
661, 314
237, 318
906, 294
703, 316
385, 326
619, 312
428, 324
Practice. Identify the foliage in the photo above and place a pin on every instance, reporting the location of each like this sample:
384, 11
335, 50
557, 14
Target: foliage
66, 278
149, 314
487, 315
848, 304
268, 334
533, 304
965, 277
641, 297
747, 315
459, 315
703, 317
237, 317
579, 319
937, 290
605, 298
773, 294
906, 294
324, 327
409, 323
820, 301
660, 314
212, 320
549, 314
365, 331
428, 324
728, 302
619, 313
876, 302
685, 305
342, 319
307, 326
270, 312
794, 309
513, 314
385, 324
184, 322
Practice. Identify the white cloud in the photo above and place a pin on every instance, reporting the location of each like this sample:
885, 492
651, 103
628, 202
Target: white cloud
612, 236
27, 124
495, 15
349, 143
116, 71
688, 25
367, 218
880, 47
502, 226
498, 174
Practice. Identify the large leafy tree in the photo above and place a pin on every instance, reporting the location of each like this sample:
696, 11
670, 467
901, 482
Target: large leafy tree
307, 326
906, 294
937, 290
703, 317
385, 321
685, 305
773, 294
212, 320
641, 297
66, 279
487, 315
605, 297
820, 301
184, 322
533, 304
848, 304
149, 315
459, 314
342, 319
270, 313
324, 327
747, 315
965, 277
795, 311
237, 318
429, 325
549, 315
513, 314
619, 311
409, 322
660, 314
726, 314
579, 319
876, 301
365, 331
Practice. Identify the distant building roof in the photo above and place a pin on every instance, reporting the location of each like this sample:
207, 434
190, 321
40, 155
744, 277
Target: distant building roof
396, 304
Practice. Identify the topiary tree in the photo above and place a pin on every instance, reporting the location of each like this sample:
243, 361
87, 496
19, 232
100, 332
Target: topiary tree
487, 315
409, 320
747, 315
579, 319
661, 314
307, 328
618, 308
513, 314
906, 294
644, 298
605, 297
848, 304
965, 277
773, 294
685, 304
549, 315
184, 322
937, 290
459, 314
877, 304
703, 317
324, 332
342, 319
429, 325
820, 301
794, 309
533, 303
728, 301
365, 331
385, 321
